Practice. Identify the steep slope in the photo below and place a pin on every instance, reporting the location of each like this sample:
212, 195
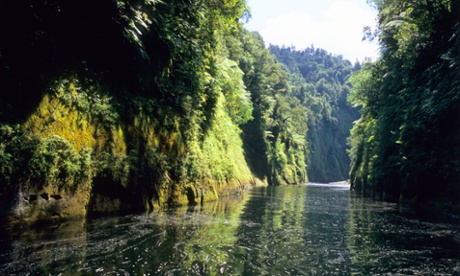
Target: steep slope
406, 146
320, 81
122, 106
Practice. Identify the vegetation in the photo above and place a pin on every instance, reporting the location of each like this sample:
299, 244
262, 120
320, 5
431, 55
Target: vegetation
406, 145
129, 105
275, 139
320, 83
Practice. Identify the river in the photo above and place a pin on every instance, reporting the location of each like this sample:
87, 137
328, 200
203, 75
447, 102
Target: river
289, 230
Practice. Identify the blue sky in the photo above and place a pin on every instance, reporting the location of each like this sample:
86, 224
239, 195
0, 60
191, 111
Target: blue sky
334, 25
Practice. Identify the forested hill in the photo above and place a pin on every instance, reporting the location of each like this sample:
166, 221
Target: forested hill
320, 80
110, 106
406, 146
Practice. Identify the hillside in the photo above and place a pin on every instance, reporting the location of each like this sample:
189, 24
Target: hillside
320, 81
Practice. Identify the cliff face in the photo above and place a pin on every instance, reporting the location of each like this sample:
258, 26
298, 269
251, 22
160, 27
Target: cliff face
74, 156
121, 106
406, 145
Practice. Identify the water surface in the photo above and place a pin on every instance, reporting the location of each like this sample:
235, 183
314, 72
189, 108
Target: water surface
293, 230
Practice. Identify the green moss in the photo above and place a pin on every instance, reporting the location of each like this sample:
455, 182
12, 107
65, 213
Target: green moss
72, 146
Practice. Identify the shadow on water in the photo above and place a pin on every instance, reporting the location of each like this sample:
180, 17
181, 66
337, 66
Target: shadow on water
388, 239
293, 230
42, 251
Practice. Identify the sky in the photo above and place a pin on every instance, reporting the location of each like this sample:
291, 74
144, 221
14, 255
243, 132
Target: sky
334, 25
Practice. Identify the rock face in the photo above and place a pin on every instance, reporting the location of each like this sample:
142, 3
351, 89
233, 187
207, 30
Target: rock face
34, 208
66, 161
30, 207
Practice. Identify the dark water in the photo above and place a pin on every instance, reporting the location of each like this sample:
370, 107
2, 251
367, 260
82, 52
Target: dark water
296, 230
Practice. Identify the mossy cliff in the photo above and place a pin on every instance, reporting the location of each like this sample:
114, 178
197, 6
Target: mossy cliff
78, 157
122, 106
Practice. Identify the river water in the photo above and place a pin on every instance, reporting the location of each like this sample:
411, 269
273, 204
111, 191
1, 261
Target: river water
289, 230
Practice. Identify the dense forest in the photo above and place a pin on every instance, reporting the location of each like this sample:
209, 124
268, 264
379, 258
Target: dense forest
131, 105
406, 145
114, 106
320, 81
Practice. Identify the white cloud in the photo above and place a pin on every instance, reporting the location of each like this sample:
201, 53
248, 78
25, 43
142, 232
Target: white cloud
339, 31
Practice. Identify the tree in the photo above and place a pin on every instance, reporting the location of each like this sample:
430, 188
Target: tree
408, 136
320, 82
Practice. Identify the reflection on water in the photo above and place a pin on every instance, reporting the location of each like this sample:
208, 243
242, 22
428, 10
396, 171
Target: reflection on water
294, 230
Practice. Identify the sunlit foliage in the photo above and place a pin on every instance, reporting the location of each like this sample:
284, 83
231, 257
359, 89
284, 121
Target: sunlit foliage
319, 81
142, 103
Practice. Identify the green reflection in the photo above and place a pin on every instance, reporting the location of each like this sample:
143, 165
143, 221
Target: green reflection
289, 230
184, 241
208, 240
360, 235
272, 231
326, 224
40, 251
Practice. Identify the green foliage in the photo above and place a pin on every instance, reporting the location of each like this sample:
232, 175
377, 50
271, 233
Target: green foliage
113, 167
222, 148
54, 162
273, 148
319, 82
43, 162
9, 163
408, 136
238, 100
174, 95
86, 98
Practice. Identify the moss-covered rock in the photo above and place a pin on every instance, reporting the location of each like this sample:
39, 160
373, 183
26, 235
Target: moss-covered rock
68, 160
148, 115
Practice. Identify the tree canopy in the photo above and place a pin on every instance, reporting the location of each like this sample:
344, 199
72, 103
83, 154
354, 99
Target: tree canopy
319, 81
